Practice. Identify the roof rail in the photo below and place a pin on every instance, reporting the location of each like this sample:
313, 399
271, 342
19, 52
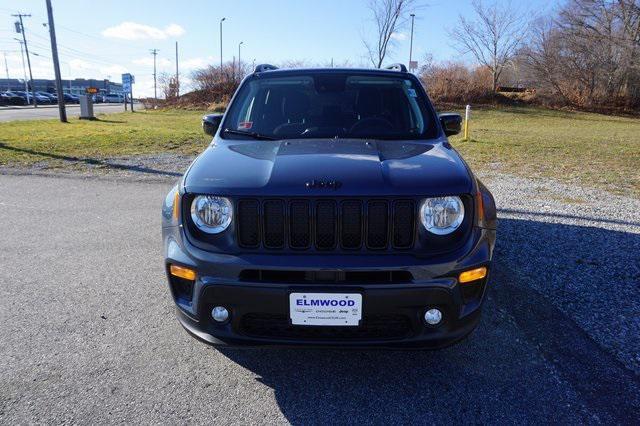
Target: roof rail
397, 67
265, 67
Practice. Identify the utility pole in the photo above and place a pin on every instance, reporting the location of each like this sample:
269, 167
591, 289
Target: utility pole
24, 69
221, 21
6, 68
56, 64
26, 49
177, 75
154, 52
413, 17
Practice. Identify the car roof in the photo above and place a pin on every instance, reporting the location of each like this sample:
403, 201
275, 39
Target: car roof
302, 71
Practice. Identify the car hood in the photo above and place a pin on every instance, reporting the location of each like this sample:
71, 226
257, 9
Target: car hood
371, 168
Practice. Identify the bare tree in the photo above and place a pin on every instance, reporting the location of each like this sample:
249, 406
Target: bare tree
588, 55
168, 86
390, 17
493, 37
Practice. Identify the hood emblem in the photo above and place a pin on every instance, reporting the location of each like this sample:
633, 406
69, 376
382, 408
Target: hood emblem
323, 184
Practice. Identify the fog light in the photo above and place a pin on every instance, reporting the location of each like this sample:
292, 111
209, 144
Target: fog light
433, 316
220, 314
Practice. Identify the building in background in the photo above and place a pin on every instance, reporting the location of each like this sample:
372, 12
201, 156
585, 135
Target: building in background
75, 87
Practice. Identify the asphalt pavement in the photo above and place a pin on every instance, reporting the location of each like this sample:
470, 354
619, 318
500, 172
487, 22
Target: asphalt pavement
12, 113
89, 335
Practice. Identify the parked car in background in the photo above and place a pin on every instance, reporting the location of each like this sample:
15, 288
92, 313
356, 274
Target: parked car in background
71, 99
40, 99
16, 98
97, 98
4, 99
112, 98
53, 98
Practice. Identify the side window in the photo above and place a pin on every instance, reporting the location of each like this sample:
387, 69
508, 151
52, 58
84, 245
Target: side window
244, 120
416, 117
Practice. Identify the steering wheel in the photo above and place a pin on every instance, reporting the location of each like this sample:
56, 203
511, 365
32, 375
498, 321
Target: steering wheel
371, 124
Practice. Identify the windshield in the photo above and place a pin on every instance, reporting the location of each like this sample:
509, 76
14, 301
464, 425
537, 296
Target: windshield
328, 105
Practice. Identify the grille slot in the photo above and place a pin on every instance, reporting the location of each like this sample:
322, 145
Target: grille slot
274, 224
249, 232
403, 223
300, 224
326, 224
311, 277
351, 211
377, 232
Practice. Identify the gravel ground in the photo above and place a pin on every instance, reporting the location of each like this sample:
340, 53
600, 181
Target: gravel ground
89, 336
580, 248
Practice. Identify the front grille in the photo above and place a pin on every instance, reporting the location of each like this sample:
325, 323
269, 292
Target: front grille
326, 224
375, 327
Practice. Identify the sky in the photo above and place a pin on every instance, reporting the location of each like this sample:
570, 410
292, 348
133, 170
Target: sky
105, 39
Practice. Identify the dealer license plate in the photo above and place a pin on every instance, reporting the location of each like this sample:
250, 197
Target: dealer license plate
335, 309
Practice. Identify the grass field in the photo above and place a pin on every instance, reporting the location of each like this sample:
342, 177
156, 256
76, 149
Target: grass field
119, 134
590, 149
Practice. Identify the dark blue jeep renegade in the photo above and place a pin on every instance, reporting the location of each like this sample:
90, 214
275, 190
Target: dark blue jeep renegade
329, 209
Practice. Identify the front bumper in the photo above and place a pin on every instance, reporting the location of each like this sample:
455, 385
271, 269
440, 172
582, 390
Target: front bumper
392, 312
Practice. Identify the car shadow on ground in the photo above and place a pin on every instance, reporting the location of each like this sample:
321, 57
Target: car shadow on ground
529, 359
107, 164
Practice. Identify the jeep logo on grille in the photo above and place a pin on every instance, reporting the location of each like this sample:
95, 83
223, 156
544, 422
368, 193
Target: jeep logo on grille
322, 184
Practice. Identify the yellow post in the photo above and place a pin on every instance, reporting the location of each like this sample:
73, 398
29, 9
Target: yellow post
467, 115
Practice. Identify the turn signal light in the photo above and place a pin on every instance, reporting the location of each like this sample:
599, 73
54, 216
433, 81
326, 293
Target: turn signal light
182, 272
473, 275
479, 207
176, 205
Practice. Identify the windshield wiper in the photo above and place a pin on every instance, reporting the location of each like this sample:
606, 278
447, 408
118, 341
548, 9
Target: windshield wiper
252, 135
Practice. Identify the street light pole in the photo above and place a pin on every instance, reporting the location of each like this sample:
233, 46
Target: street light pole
177, 75
413, 17
239, 62
221, 21
6, 68
24, 70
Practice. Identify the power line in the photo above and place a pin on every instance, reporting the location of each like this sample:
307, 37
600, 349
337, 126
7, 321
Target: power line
77, 53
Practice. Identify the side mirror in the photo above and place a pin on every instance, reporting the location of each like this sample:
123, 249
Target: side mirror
451, 123
210, 123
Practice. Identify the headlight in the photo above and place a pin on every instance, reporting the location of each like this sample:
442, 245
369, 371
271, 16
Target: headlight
441, 215
211, 214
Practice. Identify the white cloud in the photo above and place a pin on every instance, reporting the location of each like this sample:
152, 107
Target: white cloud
135, 31
174, 30
398, 36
